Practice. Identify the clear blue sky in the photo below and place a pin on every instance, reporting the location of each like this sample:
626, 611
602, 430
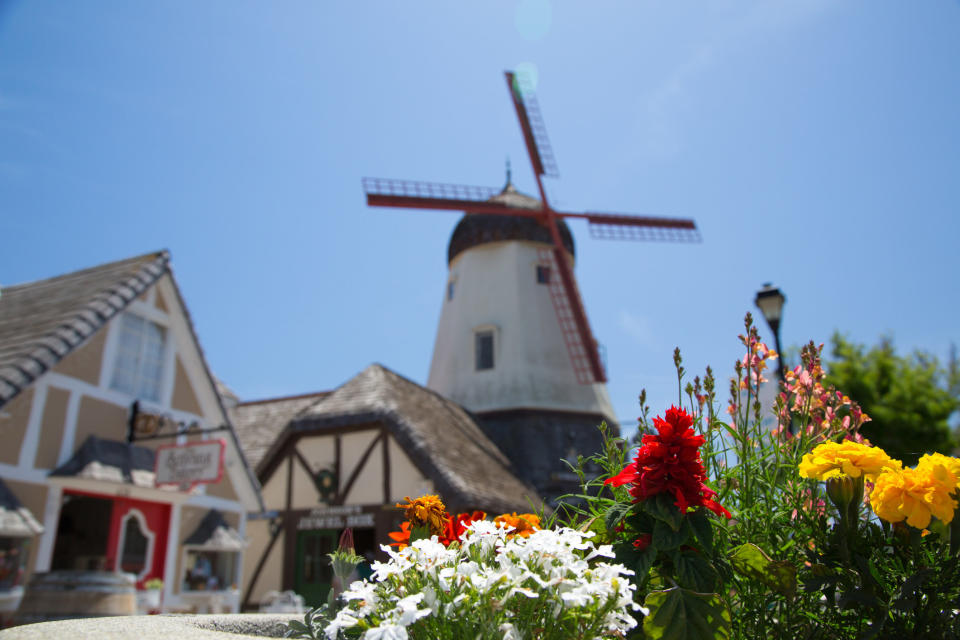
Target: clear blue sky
816, 144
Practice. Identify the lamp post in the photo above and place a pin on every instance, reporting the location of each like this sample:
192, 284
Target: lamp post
770, 302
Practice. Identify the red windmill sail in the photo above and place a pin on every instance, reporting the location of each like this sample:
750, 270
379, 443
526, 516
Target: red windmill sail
581, 345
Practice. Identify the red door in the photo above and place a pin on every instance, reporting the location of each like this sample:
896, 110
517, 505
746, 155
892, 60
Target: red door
137, 542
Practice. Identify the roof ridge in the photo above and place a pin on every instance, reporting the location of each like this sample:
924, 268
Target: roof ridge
161, 254
295, 396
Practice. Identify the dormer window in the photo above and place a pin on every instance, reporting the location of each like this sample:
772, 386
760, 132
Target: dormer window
138, 369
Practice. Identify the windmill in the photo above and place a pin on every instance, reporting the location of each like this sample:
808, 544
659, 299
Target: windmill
581, 345
514, 345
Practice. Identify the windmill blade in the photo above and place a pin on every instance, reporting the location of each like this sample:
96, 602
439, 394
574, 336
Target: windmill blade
409, 194
581, 346
611, 226
531, 122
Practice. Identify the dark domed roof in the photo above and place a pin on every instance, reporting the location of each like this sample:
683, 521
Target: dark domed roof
480, 228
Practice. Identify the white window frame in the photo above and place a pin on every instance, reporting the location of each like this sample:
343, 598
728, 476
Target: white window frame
149, 535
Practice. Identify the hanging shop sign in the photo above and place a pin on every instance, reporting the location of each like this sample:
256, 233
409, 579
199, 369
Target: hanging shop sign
339, 517
190, 464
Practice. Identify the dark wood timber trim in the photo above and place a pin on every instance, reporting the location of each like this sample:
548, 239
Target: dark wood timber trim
338, 458
274, 458
276, 528
303, 462
385, 466
290, 552
356, 470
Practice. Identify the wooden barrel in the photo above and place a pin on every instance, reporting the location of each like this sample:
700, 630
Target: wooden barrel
59, 595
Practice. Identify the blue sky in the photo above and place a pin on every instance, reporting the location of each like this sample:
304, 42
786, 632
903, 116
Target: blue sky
816, 144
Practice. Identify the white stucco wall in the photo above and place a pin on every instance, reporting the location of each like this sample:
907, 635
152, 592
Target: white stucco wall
495, 285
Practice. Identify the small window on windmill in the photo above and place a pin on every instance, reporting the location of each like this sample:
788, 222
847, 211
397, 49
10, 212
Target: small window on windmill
484, 348
543, 274
450, 290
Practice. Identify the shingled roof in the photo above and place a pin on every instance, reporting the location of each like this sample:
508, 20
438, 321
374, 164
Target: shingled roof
260, 423
43, 321
439, 435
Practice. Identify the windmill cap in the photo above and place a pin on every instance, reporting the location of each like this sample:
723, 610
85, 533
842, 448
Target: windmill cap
475, 229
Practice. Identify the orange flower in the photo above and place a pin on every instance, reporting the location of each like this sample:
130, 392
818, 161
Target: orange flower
426, 511
523, 524
400, 538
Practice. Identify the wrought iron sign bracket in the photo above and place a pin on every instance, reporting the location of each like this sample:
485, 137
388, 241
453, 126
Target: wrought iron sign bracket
151, 426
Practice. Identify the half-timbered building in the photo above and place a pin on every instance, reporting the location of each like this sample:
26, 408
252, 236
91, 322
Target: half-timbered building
100, 373
342, 459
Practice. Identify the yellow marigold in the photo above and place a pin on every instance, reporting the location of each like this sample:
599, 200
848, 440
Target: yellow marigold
523, 524
914, 495
833, 459
941, 464
426, 510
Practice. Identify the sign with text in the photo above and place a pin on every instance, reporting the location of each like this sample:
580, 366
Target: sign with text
189, 464
339, 517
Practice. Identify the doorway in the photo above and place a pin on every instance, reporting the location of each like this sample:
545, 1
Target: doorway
100, 533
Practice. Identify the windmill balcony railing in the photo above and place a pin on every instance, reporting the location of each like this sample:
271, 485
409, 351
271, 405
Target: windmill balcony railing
411, 188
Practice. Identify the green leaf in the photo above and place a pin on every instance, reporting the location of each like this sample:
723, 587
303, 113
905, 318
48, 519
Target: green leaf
703, 530
667, 539
749, 560
694, 571
681, 614
637, 561
662, 507
615, 514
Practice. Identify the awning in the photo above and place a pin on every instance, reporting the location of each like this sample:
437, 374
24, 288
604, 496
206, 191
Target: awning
16, 521
114, 468
214, 534
110, 461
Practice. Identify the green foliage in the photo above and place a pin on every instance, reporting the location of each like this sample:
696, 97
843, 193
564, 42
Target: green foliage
909, 398
750, 561
681, 614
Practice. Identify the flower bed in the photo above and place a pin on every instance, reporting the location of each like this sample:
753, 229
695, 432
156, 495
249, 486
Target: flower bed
717, 528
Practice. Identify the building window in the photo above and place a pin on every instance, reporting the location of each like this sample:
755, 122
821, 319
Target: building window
450, 290
484, 347
210, 570
543, 274
138, 370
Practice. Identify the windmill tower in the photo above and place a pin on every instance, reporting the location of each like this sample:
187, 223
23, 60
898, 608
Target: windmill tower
513, 343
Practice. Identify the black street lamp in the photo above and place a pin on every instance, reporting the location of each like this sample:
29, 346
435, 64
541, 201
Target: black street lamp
770, 302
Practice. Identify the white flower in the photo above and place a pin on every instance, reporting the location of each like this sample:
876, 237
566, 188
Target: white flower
408, 611
386, 632
343, 620
509, 631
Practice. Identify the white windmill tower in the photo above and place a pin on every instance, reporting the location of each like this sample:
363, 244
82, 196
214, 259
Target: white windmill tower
513, 344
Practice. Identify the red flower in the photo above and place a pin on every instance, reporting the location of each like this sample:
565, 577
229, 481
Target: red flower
643, 541
670, 462
456, 526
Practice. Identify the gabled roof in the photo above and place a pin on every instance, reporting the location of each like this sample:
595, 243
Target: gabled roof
42, 322
215, 534
260, 423
440, 436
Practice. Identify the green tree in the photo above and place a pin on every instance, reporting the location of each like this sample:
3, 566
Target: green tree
910, 399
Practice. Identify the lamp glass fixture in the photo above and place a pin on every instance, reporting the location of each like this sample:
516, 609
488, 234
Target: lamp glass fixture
770, 301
